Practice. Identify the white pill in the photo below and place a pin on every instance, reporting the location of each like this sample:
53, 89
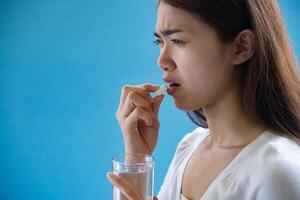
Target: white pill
162, 90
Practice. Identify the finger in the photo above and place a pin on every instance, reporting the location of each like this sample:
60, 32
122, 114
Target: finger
143, 90
155, 107
129, 88
126, 188
155, 198
156, 103
140, 113
135, 100
150, 87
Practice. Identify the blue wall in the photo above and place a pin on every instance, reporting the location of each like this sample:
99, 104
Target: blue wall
62, 67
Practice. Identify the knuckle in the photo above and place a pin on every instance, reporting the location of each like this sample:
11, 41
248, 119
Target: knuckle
117, 116
131, 95
140, 110
137, 110
147, 84
126, 88
143, 89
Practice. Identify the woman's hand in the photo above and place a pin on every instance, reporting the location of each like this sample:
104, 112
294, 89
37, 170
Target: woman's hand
125, 187
137, 115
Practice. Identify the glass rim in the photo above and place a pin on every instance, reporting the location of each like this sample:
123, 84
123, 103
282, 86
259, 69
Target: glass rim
151, 158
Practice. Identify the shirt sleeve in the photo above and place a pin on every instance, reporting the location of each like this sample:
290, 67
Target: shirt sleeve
181, 149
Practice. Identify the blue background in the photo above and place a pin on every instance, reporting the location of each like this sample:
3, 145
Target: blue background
62, 67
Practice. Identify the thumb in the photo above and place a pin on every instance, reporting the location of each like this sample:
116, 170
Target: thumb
155, 198
156, 103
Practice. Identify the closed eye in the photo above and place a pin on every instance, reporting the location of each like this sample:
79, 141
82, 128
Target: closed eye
175, 41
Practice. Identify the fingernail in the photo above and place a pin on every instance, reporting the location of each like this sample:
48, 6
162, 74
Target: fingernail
109, 174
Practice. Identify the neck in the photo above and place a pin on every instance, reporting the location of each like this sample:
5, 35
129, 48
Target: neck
229, 124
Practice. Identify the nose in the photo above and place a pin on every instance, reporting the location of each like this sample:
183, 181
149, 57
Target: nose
165, 61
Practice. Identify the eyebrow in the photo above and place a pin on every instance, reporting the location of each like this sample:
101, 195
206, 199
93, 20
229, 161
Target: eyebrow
168, 32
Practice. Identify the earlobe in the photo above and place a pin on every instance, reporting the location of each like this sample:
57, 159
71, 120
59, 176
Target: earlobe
245, 46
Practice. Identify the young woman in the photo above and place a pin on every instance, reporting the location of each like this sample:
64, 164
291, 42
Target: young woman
230, 66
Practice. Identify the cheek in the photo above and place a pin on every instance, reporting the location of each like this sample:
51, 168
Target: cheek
205, 70
205, 80
206, 76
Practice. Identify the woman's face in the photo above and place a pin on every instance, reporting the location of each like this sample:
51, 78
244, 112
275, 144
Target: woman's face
193, 56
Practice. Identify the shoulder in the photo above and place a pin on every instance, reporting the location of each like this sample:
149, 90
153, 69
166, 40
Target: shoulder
280, 151
191, 138
275, 150
184, 148
278, 168
281, 180
187, 144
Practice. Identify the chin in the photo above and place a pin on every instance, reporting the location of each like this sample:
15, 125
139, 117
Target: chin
186, 106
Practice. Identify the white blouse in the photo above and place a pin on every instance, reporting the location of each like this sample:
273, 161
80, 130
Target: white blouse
267, 168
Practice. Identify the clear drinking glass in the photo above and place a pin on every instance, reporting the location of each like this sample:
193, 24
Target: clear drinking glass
138, 170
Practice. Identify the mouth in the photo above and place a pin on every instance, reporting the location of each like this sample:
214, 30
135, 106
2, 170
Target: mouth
172, 87
172, 84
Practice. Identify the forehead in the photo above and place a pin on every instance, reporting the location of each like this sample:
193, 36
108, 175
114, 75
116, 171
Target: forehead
170, 17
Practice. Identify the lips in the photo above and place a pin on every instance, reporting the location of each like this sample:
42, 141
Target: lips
173, 85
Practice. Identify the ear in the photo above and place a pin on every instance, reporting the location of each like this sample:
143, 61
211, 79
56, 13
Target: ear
244, 46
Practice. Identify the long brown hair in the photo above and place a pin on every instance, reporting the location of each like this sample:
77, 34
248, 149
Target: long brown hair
270, 84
